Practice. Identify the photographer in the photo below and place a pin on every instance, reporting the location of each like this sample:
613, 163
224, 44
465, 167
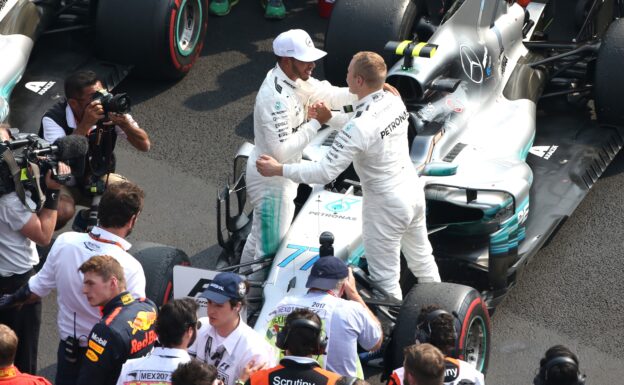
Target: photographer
82, 113
20, 230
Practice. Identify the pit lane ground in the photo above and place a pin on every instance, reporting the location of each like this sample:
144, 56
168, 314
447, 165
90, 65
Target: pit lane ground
571, 293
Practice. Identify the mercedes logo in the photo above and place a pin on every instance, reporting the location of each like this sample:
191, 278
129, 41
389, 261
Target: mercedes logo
471, 64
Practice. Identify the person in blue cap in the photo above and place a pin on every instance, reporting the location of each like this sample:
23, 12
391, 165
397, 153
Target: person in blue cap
224, 339
346, 322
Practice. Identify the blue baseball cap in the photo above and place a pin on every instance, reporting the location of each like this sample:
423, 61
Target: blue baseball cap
326, 272
225, 286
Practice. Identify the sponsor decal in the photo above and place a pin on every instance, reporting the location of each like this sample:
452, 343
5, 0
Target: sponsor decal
99, 349
98, 339
148, 340
394, 124
92, 356
11, 371
242, 289
277, 380
91, 246
523, 214
455, 105
126, 299
216, 286
544, 152
333, 215
143, 321
450, 374
153, 376
199, 287
39, 87
341, 205
278, 105
471, 64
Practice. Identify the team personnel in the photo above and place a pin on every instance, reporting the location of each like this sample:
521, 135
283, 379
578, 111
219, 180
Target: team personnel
375, 140
119, 208
424, 365
194, 372
126, 329
559, 366
20, 231
282, 130
440, 329
9, 373
346, 322
176, 329
301, 339
78, 115
224, 339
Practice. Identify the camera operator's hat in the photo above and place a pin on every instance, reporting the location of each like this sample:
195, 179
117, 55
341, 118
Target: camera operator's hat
224, 287
298, 44
326, 273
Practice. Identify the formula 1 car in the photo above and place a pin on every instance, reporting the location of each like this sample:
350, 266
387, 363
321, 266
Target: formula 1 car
509, 105
161, 38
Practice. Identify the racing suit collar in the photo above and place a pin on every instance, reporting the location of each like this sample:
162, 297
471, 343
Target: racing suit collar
365, 101
100, 232
277, 71
170, 352
122, 299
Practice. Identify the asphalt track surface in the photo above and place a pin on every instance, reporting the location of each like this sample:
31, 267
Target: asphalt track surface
571, 293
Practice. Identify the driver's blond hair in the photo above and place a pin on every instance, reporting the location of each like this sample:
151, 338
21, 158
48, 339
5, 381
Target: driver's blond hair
371, 67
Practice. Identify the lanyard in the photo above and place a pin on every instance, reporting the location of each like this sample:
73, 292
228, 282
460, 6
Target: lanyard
98, 239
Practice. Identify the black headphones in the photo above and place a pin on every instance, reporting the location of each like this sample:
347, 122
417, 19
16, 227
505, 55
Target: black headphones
423, 329
281, 340
542, 377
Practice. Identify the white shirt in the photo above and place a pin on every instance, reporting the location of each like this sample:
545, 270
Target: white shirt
52, 131
345, 323
455, 371
60, 272
18, 254
238, 348
155, 368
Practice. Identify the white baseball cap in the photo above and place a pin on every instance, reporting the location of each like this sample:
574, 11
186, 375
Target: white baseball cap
298, 44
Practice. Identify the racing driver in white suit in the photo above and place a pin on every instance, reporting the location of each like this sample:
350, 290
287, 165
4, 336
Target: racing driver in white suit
282, 130
375, 139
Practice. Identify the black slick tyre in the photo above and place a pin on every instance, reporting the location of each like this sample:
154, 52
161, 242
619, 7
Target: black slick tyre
162, 38
609, 82
473, 339
365, 25
158, 262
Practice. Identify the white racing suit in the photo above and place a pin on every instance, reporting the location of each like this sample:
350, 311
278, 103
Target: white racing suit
281, 130
393, 211
455, 371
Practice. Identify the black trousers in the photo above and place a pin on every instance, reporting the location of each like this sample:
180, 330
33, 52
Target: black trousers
25, 322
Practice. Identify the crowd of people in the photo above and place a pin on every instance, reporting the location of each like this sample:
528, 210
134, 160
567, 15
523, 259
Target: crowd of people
111, 334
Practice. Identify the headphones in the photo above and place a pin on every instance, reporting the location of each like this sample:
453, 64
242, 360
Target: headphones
542, 377
281, 340
423, 329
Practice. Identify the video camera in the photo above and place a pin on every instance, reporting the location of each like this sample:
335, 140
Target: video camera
119, 103
24, 153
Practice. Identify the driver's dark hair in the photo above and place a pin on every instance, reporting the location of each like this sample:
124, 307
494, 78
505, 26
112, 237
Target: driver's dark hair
443, 332
174, 319
194, 372
564, 373
119, 203
302, 341
77, 81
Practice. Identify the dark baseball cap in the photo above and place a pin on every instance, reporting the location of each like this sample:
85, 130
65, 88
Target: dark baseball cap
225, 286
326, 273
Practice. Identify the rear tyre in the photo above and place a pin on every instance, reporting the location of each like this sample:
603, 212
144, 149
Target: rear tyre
609, 82
162, 38
474, 338
366, 25
158, 262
